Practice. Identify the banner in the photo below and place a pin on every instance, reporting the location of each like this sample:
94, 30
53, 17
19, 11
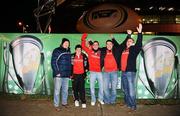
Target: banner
26, 63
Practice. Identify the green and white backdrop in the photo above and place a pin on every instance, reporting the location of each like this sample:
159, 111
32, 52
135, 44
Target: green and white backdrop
157, 65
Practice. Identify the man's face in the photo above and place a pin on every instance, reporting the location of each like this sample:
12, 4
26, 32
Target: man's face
65, 44
109, 45
78, 51
129, 43
95, 46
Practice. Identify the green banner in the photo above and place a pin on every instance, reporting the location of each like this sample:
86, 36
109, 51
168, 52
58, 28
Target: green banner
43, 82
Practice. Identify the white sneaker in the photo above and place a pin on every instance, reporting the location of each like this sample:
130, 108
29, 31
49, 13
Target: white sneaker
76, 103
92, 103
101, 102
83, 105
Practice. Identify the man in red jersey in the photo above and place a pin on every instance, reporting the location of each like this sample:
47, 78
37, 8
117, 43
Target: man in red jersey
109, 64
128, 56
79, 69
94, 68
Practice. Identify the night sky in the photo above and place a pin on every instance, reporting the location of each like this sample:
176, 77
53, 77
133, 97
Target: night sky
14, 11
22, 11
63, 21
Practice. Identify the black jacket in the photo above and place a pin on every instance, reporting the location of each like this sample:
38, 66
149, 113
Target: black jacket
115, 51
61, 62
103, 54
85, 63
133, 52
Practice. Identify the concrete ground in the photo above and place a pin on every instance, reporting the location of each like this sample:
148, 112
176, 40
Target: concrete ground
24, 106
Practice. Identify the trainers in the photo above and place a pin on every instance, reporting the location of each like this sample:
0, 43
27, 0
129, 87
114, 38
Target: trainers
76, 103
101, 102
83, 105
92, 103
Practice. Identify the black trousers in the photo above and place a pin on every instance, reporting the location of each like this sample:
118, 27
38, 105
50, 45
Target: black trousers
78, 86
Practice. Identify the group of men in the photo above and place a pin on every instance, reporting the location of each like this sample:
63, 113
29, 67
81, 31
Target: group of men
103, 65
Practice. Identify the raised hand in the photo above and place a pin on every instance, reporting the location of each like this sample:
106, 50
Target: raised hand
84, 36
129, 32
139, 28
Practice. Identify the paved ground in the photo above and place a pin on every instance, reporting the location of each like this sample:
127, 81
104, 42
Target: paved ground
44, 107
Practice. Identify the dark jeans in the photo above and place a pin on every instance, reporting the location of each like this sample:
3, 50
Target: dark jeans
78, 86
128, 86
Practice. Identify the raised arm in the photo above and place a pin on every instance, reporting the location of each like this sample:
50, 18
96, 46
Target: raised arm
139, 37
83, 42
123, 44
116, 44
129, 33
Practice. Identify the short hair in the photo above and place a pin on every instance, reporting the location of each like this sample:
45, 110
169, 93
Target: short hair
109, 41
78, 46
96, 42
131, 39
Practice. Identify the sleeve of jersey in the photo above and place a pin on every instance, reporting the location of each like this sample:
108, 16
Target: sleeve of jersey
138, 44
83, 43
139, 40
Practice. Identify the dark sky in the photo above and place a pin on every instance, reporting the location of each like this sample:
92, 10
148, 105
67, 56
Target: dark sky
13, 11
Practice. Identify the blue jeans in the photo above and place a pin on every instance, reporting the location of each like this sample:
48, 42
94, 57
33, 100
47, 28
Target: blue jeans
128, 86
60, 84
110, 86
93, 77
